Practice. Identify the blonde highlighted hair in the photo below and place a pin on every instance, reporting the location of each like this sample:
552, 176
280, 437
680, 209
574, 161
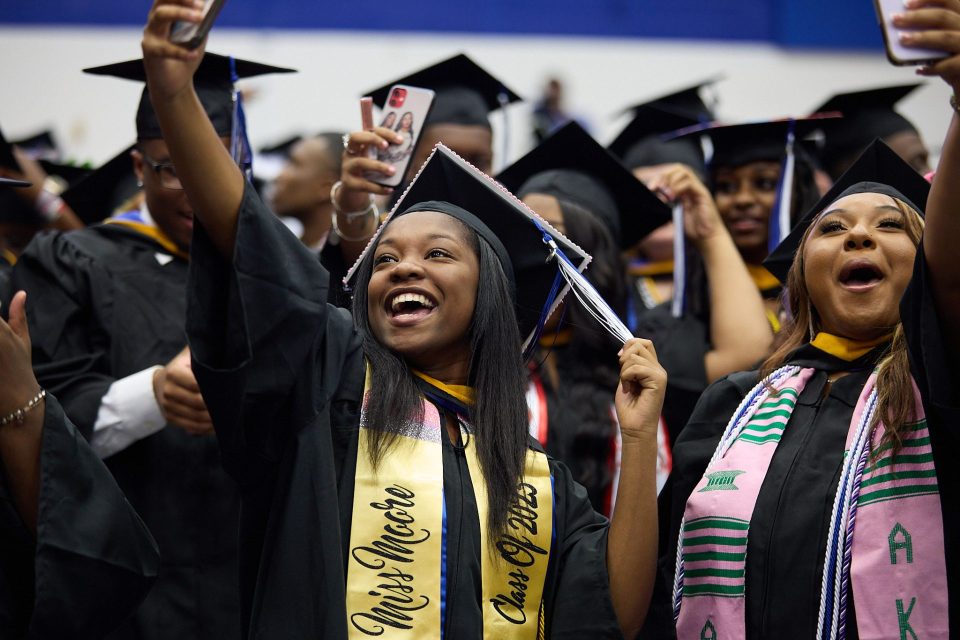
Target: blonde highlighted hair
895, 401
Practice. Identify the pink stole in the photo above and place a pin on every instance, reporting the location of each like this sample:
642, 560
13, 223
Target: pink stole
894, 561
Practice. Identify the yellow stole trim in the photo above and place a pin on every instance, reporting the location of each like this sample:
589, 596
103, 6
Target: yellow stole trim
461, 392
10, 257
556, 338
394, 564
661, 268
845, 348
763, 278
154, 234
773, 320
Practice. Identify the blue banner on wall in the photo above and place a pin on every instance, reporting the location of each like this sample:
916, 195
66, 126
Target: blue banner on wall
848, 24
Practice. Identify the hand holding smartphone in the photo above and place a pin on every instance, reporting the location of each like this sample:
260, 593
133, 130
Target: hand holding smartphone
190, 34
897, 53
404, 112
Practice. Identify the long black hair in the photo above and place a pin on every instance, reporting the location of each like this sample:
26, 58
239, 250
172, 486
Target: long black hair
588, 368
499, 417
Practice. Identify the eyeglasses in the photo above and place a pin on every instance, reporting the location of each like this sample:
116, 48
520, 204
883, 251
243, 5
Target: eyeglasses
165, 173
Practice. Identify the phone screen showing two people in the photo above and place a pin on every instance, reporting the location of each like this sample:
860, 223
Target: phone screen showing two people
405, 112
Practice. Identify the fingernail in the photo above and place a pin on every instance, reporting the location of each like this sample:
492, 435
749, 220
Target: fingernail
399, 138
906, 38
389, 190
391, 170
896, 18
620, 353
384, 144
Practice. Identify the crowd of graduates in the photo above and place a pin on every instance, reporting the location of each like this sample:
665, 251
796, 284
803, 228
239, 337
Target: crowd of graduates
698, 383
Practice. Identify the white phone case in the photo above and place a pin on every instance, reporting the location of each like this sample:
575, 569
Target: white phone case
406, 116
896, 52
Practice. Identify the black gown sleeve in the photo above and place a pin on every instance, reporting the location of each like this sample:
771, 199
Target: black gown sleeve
682, 346
94, 559
70, 348
939, 385
259, 329
581, 606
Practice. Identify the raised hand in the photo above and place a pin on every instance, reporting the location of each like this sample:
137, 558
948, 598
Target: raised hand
678, 183
178, 395
16, 370
639, 399
170, 67
354, 195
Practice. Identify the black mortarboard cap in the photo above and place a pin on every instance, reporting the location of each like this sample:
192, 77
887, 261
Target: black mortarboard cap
7, 159
867, 115
42, 145
95, 197
212, 82
12, 207
466, 92
449, 184
878, 170
282, 148
735, 145
640, 143
571, 165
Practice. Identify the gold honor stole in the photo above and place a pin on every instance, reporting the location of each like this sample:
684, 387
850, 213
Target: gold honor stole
396, 539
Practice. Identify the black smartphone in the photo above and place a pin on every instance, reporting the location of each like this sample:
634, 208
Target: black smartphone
191, 34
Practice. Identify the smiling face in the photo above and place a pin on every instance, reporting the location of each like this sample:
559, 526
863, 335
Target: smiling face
169, 208
857, 262
745, 198
423, 291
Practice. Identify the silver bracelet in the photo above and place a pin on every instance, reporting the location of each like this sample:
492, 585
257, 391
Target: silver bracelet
351, 215
18, 415
372, 210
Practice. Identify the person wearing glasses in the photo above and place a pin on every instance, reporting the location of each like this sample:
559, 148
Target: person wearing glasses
107, 311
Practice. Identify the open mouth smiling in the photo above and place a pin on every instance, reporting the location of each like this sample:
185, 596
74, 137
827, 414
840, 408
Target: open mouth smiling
860, 275
408, 307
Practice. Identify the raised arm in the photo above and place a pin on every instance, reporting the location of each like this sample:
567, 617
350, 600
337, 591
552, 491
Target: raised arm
213, 182
20, 441
740, 333
937, 26
632, 545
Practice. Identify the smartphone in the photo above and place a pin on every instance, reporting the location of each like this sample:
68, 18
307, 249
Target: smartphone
896, 52
191, 34
405, 112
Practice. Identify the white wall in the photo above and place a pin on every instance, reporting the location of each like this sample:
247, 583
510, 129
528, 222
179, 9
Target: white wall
41, 84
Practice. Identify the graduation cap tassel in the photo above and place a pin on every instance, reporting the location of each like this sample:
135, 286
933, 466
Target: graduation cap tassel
504, 100
679, 263
544, 316
780, 224
588, 296
240, 149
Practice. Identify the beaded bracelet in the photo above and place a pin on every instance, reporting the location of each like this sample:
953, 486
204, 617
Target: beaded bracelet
18, 415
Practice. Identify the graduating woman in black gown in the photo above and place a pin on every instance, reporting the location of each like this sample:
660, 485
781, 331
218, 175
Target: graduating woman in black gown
383, 512
75, 559
822, 501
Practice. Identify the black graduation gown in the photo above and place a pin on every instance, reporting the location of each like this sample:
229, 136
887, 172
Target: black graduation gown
102, 306
682, 345
6, 270
787, 541
92, 561
584, 449
282, 372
